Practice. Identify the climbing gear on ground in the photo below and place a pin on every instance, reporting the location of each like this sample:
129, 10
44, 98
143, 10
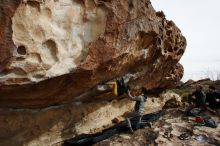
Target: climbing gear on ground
199, 119
184, 136
209, 122
90, 139
194, 112
167, 135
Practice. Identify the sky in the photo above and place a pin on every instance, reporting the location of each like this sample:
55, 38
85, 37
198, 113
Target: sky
199, 22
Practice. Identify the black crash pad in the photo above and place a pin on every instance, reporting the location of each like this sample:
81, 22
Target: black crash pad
90, 139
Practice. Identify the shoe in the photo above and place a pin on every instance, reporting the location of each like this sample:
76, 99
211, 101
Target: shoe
149, 124
131, 130
184, 136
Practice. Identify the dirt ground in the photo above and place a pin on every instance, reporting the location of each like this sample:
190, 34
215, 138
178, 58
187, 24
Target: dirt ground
166, 132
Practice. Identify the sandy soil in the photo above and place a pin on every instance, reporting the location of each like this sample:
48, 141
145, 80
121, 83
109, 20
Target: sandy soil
166, 132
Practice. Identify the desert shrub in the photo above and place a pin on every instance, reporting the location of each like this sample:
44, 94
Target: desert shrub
213, 75
183, 93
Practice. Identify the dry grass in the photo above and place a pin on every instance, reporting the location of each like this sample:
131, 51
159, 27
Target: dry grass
213, 75
187, 88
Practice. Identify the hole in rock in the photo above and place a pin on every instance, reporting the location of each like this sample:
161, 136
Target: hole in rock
107, 0
21, 50
160, 14
50, 50
158, 41
39, 76
180, 52
130, 3
147, 5
169, 32
175, 48
47, 12
20, 59
170, 23
153, 100
34, 4
18, 71
170, 49
146, 39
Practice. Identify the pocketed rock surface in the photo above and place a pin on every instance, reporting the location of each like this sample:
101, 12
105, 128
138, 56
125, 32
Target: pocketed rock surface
52, 51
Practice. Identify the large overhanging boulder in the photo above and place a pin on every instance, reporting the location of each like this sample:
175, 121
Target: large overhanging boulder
54, 50
53, 53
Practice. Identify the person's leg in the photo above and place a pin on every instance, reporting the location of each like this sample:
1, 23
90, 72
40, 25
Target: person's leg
210, 110
217, 112
128, 117
129, 124
138, 124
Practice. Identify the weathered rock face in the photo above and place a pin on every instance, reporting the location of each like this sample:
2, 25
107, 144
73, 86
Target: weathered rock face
54, 50
49, 126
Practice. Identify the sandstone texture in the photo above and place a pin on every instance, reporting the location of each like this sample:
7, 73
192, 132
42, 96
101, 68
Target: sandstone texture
53, 53
54, 50
52, 125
